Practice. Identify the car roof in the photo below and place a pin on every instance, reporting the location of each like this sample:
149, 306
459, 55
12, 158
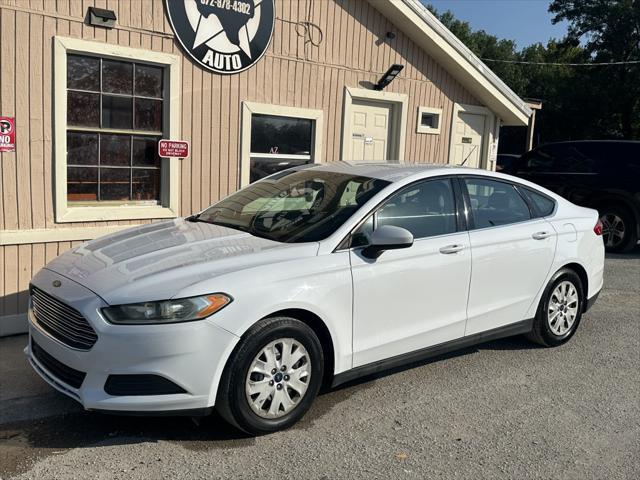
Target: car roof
391, 172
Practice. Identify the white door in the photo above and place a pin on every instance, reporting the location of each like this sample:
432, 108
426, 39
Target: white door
468, 136
512, 255
370, 131
416, 297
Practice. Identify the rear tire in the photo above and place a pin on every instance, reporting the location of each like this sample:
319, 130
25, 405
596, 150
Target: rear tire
620, 231
559, 311
259, 393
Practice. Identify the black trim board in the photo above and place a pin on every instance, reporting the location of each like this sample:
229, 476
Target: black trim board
518, 328
192, 412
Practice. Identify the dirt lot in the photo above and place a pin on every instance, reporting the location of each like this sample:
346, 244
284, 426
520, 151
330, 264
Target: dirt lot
506, 409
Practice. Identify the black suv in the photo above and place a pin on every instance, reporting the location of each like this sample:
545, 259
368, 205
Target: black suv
604, 175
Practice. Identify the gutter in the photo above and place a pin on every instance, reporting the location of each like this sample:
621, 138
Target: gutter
419, 9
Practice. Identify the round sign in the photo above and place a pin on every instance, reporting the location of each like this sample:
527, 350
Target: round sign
224, 36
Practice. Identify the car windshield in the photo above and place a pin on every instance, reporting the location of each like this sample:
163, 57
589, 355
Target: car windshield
294, 205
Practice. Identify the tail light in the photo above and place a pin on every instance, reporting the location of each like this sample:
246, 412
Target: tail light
598, 228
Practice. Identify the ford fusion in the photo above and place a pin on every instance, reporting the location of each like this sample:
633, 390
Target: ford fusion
313, 276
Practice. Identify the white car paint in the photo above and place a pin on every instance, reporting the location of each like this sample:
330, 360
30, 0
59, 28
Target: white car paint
392, 321
406, 300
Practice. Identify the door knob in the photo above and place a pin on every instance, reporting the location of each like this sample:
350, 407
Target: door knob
451, 249
541, 235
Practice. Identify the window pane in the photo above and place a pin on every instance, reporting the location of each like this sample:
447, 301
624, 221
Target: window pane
115, 150
114, 183
292, 206
82, 148
82, 184
83, 73
116, 112
117, 77
543, 205
145, 152
146, 184
148, 114
362, 236
148, 81
495, 203
281, 135
83, 109
426, 210
573, 158
262, 167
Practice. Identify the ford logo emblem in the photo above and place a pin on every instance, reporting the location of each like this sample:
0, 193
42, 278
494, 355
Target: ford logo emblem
56, 283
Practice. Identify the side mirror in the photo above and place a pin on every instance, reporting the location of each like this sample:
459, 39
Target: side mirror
387, 237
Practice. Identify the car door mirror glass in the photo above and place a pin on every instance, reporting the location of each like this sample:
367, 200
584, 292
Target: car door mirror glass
387, 237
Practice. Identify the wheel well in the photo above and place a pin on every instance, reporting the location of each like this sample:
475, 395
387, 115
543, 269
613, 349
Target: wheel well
584, 279
322, 332
601, 202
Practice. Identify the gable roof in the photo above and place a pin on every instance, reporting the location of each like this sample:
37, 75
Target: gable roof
415, 20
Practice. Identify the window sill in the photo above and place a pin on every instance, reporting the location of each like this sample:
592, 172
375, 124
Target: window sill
129, 212
428, 130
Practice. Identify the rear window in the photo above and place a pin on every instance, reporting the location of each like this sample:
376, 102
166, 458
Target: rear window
543, 205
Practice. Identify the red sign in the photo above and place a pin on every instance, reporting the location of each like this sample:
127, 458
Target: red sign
7, 134
173, 148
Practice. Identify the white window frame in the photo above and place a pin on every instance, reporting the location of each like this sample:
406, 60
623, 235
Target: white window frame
170, 176
249, 108
426, 129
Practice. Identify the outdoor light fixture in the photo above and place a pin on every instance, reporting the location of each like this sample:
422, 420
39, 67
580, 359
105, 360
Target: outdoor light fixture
100, 17
388, 77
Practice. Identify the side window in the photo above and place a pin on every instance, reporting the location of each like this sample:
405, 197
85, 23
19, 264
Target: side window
542, 204
426, 209
495, 203
538, 160
574, 158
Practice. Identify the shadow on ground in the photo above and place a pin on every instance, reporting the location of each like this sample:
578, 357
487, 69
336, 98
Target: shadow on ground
22, 443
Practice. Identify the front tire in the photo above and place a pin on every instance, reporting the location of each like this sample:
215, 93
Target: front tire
272, 377
560, 310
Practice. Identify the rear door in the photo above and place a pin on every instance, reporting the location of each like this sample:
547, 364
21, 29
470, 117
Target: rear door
511, 250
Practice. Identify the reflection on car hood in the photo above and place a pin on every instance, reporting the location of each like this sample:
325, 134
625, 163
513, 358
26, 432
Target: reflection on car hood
156, 261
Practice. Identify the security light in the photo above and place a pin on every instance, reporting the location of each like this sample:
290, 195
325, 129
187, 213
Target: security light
388, 77
100, 17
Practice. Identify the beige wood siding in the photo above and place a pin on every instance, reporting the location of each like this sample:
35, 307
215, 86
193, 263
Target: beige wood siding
354, 52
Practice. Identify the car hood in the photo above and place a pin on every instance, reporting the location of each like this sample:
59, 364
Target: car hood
156, 261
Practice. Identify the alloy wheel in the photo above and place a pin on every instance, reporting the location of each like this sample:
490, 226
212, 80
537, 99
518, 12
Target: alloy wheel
278, 378
563, 308
613, 230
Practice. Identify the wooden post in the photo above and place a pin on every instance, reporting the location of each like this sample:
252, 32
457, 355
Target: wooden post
533, 105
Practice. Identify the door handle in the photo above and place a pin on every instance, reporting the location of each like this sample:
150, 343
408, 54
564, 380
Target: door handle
451, 249
541, 235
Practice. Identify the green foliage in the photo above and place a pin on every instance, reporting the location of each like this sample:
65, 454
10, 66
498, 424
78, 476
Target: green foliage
578, 102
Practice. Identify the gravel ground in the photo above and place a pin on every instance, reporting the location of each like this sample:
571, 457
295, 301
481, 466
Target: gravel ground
505, 409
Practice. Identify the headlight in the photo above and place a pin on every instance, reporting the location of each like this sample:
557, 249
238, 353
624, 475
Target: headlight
167, 311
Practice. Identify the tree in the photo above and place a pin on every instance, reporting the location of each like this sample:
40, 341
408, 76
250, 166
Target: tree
610, 30
585, 102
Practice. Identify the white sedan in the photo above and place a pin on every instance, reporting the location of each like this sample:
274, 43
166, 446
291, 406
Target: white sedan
313, 276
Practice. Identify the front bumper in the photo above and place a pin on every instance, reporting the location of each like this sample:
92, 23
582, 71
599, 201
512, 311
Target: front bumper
191, 355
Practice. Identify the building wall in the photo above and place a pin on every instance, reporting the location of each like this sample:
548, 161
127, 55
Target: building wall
294, 72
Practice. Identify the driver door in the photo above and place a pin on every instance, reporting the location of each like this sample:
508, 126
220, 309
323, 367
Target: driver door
416, 297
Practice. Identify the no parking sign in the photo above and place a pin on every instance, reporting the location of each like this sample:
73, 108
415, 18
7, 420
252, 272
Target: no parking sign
7, 134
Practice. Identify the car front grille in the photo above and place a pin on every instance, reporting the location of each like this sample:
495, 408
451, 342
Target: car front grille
61, 321
59, 370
